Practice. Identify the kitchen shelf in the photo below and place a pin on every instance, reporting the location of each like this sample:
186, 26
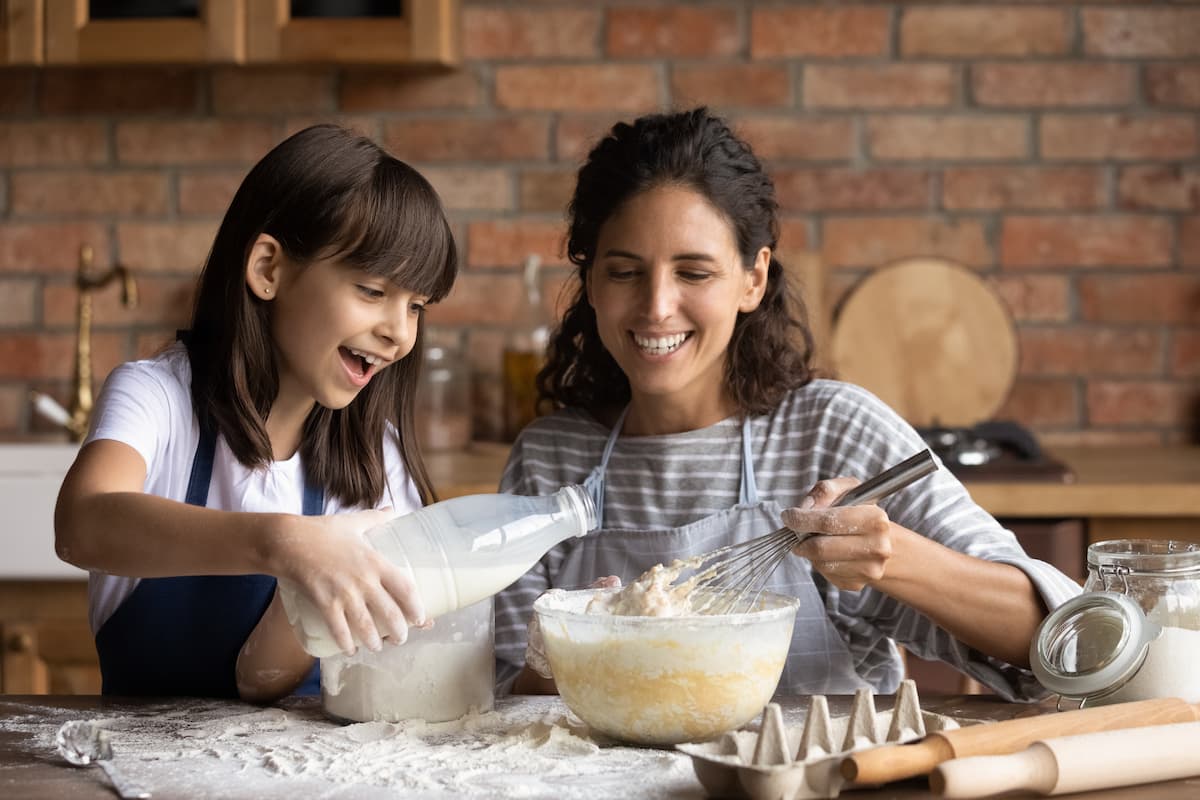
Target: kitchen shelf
65, 32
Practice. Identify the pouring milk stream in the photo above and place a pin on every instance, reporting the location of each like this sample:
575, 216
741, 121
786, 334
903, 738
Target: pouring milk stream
458, 552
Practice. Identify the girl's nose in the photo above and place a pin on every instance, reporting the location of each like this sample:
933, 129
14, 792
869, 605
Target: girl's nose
396, 327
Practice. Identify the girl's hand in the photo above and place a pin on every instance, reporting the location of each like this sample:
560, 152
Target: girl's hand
362, 595
856, 541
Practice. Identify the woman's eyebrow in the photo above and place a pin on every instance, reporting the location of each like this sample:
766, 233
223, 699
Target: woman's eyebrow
613, 253
693, 257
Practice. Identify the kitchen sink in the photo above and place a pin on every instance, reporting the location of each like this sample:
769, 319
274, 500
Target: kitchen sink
30, 475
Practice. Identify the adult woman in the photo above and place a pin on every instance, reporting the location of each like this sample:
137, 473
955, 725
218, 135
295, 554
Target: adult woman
697, 420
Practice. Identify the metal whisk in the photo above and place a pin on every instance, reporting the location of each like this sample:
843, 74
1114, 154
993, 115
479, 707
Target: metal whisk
737, 573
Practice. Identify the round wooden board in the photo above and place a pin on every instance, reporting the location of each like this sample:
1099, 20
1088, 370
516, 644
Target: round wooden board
931, 339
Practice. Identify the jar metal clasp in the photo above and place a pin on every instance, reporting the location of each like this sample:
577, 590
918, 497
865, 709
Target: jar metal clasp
1110, 571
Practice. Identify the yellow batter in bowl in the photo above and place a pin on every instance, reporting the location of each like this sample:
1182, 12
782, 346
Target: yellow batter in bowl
656, 680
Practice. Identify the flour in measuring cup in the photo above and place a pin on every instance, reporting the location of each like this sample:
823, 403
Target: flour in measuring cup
433, 681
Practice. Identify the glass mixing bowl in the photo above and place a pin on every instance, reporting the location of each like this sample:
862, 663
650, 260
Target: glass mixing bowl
665, 680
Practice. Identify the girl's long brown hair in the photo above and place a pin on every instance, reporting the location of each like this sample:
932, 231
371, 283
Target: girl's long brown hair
322, 193
770, 351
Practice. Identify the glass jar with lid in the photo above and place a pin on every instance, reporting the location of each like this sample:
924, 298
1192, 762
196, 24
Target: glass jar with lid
444, 397
1134, 634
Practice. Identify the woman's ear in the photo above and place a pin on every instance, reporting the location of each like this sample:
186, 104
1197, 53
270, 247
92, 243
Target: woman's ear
263, 267
756, 281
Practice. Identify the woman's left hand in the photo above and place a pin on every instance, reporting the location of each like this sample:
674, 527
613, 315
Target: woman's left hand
855, 542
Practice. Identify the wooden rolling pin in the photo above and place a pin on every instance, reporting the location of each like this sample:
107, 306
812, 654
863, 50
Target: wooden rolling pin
894, 762
1077, 763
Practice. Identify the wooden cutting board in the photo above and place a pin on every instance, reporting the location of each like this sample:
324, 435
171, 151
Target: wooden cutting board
931, 339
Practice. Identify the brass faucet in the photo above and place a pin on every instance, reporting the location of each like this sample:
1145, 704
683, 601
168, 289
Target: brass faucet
86, 282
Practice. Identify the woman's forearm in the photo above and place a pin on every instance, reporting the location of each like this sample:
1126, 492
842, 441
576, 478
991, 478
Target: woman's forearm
991, 607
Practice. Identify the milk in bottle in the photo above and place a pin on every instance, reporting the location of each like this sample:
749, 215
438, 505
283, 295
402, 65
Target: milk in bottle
459, 551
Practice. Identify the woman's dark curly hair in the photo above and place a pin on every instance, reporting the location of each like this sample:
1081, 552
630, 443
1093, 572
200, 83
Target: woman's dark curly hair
771, 347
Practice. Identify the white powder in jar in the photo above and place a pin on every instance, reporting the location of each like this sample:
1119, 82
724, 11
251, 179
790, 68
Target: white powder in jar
1171, 669
439, 674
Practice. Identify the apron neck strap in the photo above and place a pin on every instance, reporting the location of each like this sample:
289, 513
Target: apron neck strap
200, 478
747, 490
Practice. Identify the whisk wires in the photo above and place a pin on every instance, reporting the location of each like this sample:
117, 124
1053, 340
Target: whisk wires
736, 574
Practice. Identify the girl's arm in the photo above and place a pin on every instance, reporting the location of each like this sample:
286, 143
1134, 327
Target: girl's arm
271, 663
104, 521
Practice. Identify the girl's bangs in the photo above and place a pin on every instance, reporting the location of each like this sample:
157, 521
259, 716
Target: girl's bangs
396, 229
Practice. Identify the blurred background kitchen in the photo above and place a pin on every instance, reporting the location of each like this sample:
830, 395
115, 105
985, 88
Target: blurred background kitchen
1046, 152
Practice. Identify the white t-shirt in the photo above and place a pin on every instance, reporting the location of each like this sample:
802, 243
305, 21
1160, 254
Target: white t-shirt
148, 406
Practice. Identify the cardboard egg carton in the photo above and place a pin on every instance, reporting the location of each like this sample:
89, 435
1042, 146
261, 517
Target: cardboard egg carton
788, 763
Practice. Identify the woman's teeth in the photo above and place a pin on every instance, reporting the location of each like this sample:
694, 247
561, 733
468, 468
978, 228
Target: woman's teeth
660, 345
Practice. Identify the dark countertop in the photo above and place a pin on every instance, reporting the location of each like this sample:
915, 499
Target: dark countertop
208, 748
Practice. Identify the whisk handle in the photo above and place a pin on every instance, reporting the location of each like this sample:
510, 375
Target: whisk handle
890, 480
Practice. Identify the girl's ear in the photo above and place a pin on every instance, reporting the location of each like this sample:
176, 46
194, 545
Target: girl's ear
263, 267
756, 281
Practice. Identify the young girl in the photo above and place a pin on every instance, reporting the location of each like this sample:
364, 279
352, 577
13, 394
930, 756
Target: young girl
270, 437
689, 409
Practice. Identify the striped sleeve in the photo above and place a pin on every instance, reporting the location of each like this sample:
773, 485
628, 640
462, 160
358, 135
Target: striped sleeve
940, 509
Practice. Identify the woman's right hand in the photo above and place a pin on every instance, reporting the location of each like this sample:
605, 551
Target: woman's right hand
363, 596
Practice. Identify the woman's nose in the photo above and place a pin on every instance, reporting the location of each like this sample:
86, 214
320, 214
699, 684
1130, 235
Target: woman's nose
660, 298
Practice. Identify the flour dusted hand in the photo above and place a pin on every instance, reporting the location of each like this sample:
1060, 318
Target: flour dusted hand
855, 542
363, 597
535, 647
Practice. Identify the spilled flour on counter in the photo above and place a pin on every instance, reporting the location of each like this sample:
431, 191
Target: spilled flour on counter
531, 750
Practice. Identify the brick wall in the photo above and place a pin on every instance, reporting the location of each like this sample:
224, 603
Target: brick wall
1051, 146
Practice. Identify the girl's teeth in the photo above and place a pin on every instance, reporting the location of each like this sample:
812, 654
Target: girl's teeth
367, 357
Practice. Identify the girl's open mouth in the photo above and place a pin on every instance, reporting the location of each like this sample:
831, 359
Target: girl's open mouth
359, 366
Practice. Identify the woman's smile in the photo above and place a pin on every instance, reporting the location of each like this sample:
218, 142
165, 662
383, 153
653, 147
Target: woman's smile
660, 344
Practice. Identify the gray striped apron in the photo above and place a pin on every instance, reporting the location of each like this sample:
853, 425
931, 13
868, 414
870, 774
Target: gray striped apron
818, 660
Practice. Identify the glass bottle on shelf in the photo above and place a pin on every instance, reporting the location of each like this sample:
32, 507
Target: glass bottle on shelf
524, 353
444, 396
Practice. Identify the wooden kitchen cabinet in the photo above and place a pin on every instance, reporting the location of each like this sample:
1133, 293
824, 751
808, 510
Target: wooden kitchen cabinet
79, 32
420, 31
21, 32
46, 646
213, 34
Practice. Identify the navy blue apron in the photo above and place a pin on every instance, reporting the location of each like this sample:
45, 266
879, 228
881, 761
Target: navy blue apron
181, 636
